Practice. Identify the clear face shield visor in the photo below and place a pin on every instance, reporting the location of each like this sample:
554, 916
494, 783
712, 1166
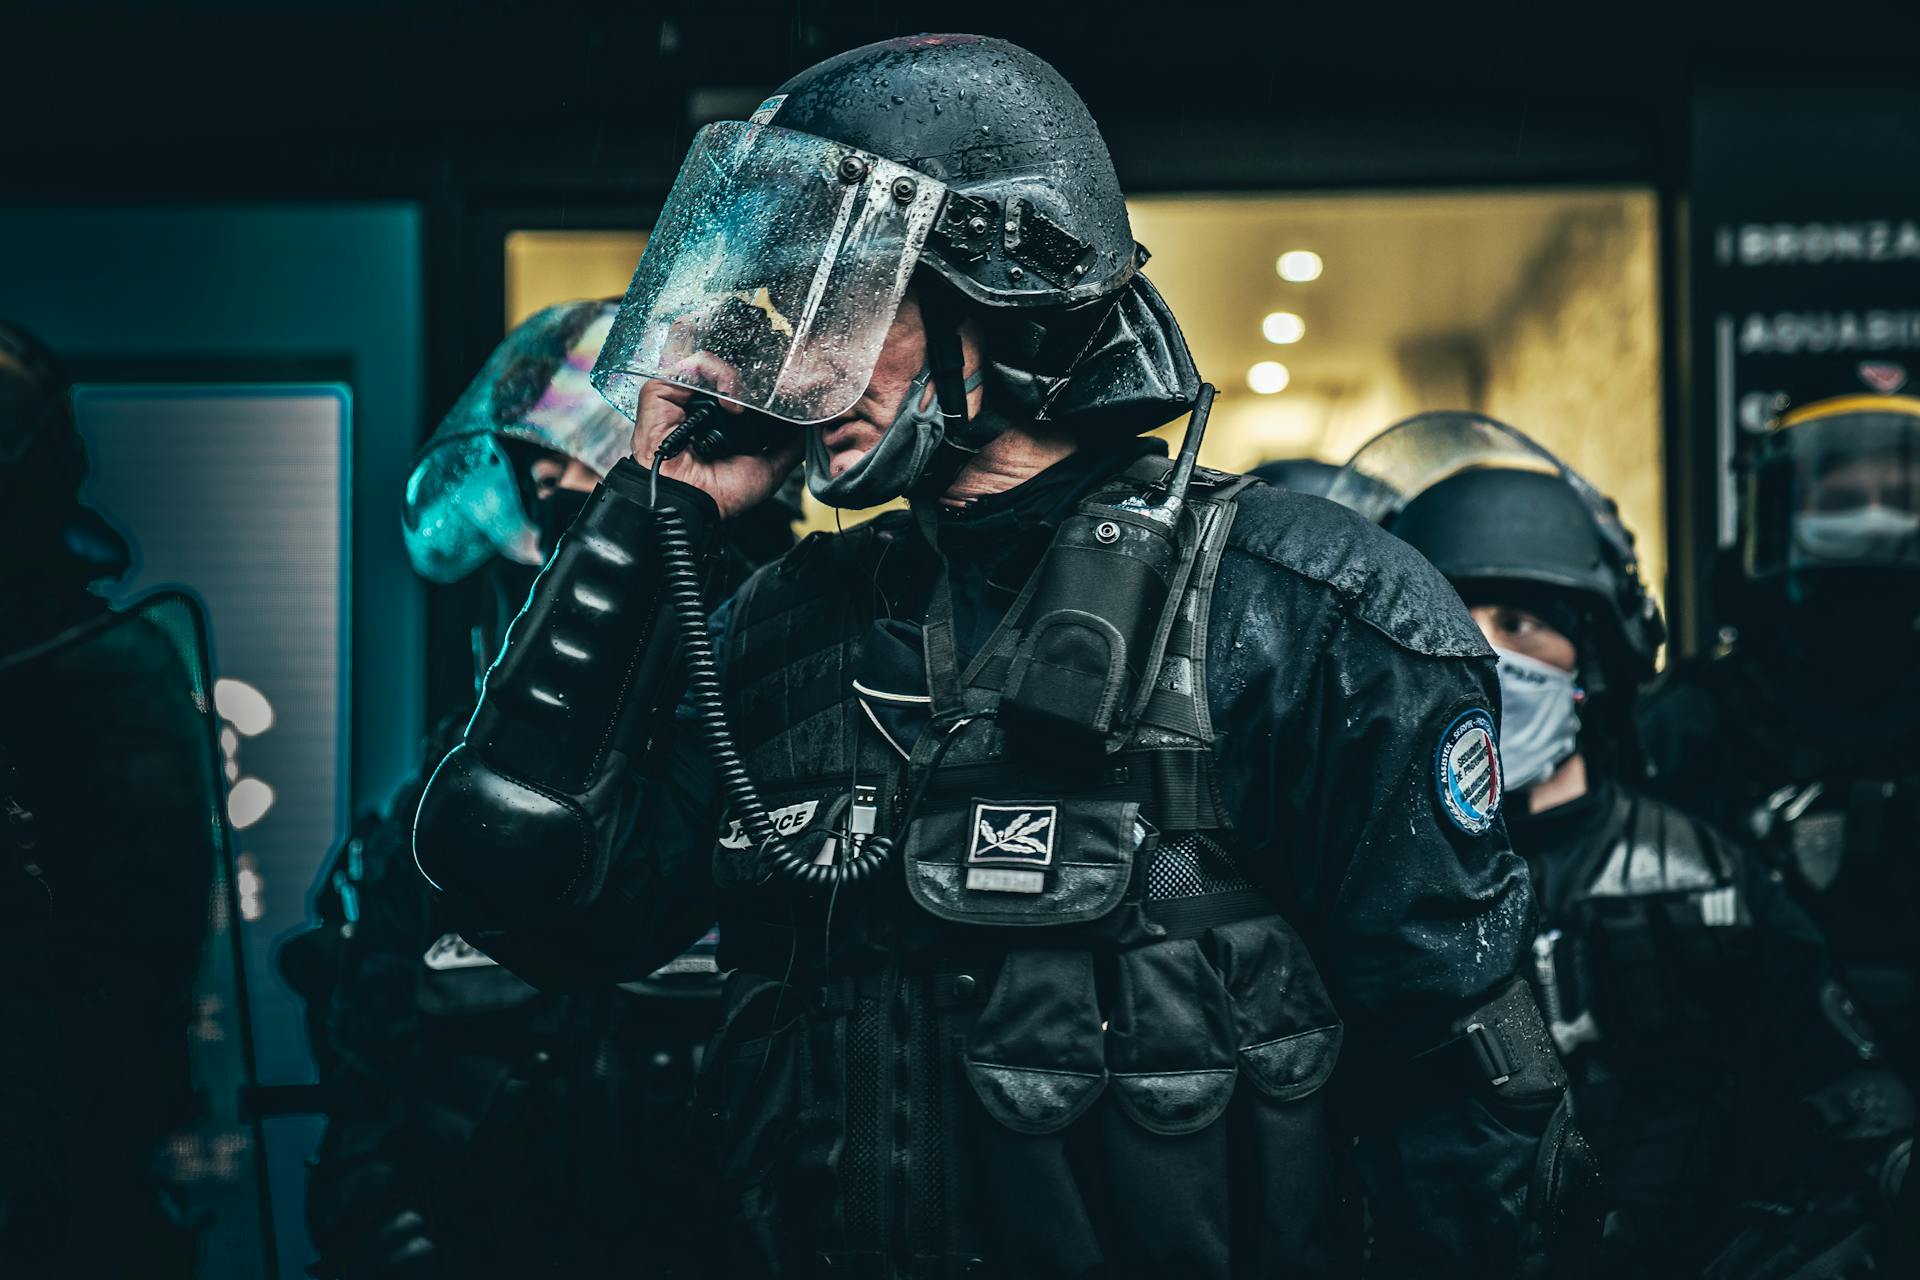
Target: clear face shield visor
466, 500
1839, 492
1410, 457
773, 274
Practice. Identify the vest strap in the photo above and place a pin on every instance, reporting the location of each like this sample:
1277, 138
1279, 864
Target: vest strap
1191, 917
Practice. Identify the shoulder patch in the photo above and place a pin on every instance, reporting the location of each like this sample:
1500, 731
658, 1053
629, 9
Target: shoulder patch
1466, 772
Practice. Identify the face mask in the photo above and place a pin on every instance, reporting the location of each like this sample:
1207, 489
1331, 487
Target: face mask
1539, 718
1862, 535
892, 466
554, 514
507, 587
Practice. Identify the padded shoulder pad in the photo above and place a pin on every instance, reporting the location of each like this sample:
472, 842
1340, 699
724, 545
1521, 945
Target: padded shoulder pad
1380, 580
1659, 849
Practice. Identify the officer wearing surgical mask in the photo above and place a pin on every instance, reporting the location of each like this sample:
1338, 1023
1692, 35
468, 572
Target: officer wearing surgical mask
1681, 985
1799, 733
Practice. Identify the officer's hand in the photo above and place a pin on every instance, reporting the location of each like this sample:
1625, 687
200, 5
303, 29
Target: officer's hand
736, 484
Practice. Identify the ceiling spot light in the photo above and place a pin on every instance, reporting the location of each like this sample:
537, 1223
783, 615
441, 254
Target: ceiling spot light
1283, 328
1299, 266
1268, 377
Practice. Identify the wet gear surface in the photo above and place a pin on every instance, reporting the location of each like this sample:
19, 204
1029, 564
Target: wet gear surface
1685, 988
987, 1117
475, 1121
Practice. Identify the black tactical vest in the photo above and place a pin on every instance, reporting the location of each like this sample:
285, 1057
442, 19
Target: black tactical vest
1846, 846
1643, 920
1063, 1031
1829, 796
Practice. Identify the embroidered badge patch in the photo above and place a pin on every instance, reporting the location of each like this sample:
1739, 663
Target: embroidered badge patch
1466, 773
786, 820
1017, 834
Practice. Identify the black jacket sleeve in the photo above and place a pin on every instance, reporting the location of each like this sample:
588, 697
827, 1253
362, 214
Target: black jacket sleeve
1338, 662
557, 852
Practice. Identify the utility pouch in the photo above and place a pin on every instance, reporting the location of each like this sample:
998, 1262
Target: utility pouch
1085, 666
1039, 864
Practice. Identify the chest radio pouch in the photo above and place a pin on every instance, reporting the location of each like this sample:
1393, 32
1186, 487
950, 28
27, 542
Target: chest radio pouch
1102, 609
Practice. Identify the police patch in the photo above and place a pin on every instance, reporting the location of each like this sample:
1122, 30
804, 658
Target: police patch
786, 820
1466, 773
1013, 833
1009, 846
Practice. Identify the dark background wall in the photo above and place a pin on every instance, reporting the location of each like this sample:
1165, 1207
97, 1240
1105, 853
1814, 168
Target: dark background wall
503, 114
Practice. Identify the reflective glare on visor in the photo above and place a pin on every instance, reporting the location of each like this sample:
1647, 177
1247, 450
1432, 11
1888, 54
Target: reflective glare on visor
773, 274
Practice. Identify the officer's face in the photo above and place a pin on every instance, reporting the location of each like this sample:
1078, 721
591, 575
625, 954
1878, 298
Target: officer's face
1518, 631
849, 436
554, 471
1871, 480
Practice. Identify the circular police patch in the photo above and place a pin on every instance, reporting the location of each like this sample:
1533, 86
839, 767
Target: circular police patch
1466, 773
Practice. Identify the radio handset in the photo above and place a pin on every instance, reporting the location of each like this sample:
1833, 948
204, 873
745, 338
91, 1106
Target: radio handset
713, 435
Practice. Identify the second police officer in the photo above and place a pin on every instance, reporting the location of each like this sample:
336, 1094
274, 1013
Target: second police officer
1686, 991
1108, 854
1798, 732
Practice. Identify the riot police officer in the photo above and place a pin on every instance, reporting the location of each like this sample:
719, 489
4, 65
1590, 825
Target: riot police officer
1070, 831
1683, 987
110, 832
478, 1127
1799, 732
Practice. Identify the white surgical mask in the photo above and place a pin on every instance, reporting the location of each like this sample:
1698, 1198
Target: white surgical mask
1539, 718
1863, 534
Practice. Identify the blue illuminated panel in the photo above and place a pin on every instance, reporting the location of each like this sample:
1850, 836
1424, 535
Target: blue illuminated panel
238, 494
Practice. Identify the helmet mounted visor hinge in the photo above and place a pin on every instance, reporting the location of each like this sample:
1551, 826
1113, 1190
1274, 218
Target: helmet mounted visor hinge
967, 227
1045, 246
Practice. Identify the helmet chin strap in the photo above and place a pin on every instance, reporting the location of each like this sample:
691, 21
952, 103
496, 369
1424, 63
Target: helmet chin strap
963, 437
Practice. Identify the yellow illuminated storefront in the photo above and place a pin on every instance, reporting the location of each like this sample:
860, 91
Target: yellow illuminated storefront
1324, 319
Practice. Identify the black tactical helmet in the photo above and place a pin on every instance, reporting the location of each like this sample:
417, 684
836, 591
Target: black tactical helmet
1034, 216
962, 163
33, 392
1298, 475
1486, 504
1034, 230
1499, 525
43, 463
1835, 486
